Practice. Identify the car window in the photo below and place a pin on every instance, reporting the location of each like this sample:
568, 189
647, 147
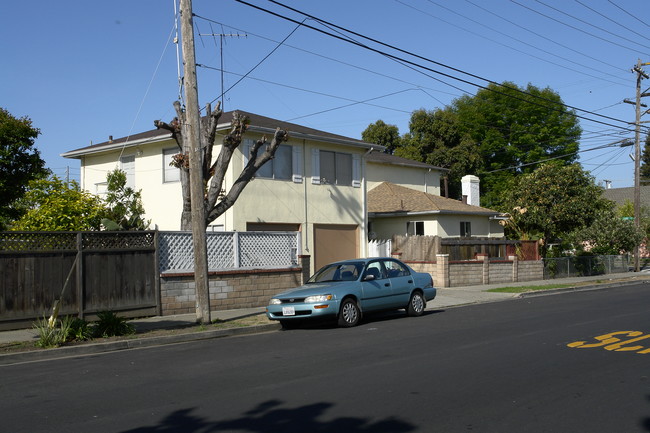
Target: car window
395, 269
375, 269
337, 272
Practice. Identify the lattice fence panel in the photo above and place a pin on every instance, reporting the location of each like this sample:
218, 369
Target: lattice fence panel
229, 250
37, 241
258, 249
118, 240
176, 251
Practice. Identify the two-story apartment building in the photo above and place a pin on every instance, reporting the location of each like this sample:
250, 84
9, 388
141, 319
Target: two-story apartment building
317, 184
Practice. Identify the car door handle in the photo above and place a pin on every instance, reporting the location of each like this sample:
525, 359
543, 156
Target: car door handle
387, 285
410, 281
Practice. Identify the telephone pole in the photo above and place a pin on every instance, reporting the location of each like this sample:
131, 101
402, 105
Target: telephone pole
640, 75
191, 137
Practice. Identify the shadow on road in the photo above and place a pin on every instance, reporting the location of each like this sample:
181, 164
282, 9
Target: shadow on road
368, 318
271, 417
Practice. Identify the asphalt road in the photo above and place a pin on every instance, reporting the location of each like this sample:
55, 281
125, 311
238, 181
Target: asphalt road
499, 367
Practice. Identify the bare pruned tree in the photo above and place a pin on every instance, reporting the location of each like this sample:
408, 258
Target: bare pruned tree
217, 201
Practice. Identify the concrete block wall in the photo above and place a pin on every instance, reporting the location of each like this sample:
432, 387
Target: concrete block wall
468, 273
531, 270
480, 271
500, 272
228, 290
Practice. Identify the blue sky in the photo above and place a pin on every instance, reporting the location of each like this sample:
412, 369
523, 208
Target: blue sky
85, 70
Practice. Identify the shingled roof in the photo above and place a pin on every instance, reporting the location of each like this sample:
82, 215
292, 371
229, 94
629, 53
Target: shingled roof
265, 125
388, 198
621, 195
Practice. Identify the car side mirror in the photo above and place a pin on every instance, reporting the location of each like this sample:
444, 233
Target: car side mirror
369, 277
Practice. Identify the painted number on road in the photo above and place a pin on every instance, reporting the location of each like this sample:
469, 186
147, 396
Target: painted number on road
619, 341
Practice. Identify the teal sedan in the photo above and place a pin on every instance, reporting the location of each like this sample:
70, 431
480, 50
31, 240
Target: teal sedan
346, 290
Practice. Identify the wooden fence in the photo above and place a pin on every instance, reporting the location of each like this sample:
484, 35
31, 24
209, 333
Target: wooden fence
89, 271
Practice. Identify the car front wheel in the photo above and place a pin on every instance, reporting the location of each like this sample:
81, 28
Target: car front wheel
350, 314
416, 304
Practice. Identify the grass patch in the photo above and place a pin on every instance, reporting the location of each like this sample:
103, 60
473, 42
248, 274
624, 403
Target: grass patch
522, 289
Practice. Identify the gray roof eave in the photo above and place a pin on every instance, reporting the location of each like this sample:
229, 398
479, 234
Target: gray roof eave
320, 138
114, 146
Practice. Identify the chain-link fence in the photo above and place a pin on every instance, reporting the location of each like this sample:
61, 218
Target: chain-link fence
564, 267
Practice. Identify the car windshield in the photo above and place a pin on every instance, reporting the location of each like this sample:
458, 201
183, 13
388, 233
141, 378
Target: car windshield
338, 272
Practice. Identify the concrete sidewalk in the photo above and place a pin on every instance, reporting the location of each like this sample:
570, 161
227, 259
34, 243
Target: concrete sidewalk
446, 298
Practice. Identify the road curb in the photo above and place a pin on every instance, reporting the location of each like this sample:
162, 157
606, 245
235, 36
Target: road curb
95, 348
608, 285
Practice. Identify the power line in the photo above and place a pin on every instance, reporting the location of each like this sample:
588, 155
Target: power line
633, 16
611, 20
548, 39
576, 28
428, 60
590, 24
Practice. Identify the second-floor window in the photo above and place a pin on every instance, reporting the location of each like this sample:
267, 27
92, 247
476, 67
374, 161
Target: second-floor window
285, 165
127, 164
279, 167
170, 173
335, 168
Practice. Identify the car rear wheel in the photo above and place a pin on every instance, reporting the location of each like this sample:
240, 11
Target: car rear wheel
350, 314
416, 304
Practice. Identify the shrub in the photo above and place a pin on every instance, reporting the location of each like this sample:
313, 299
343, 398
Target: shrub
80, 330
52, 336
111, 325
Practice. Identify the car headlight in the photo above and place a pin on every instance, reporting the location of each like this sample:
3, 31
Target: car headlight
317, 298
275, 301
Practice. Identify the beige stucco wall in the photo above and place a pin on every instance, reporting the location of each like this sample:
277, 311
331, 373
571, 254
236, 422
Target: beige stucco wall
263, 200
385, 228
481, 226
419, 179
446, 226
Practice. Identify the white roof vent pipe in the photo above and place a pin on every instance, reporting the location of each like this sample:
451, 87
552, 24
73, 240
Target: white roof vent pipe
470, 188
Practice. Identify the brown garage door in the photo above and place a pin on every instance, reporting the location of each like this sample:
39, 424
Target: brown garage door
333, 242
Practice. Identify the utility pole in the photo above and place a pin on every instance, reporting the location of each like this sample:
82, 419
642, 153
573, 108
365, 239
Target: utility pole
640, 75
191, 136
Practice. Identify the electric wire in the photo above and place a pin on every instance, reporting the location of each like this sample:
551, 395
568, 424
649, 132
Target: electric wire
428, 60
577, 28
223, 92
591, 24
631, 15
611, 20
546, 38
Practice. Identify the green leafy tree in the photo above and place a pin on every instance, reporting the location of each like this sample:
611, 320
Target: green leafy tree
124, 209
555, 200
382, 134
54, 205
20, 163
608, 234
497, 134
514, 130
435, 137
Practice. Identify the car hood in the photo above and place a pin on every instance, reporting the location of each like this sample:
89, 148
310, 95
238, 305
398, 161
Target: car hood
312, 289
